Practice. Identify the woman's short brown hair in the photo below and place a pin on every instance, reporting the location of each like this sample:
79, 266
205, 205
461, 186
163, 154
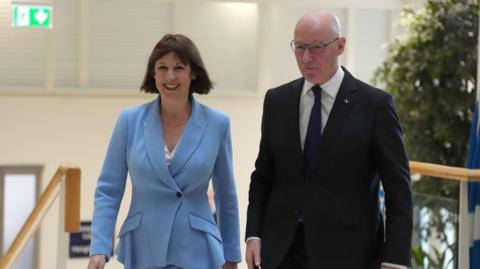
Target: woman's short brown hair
188, 53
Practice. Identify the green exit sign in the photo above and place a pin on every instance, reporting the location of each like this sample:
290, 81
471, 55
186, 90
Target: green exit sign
36, 16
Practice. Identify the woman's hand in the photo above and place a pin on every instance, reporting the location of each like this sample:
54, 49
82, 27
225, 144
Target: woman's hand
96, 262
230, 265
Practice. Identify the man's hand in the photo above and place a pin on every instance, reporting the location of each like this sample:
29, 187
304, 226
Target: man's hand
96, 262
230, 265
252, 255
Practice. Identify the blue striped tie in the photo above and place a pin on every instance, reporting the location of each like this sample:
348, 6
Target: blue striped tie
314, 131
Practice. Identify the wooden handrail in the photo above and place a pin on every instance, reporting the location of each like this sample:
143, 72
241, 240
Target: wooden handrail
445, 172
72, 210
72, 199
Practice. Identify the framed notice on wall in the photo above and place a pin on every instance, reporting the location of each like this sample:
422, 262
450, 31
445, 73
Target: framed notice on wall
80, 242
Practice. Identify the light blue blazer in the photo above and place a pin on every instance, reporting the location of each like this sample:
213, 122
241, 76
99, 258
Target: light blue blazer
169, 220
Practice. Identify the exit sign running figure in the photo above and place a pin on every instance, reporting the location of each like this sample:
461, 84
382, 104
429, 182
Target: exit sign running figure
34, 16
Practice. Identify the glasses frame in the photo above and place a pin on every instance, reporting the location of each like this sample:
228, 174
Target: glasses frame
318, 48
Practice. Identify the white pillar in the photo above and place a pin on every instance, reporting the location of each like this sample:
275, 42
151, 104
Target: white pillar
463, 229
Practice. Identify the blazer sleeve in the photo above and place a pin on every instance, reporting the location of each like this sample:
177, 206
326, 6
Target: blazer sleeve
109, 191
393, 169
261, 180
226, 203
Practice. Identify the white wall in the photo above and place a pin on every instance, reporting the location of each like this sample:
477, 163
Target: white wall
64, 119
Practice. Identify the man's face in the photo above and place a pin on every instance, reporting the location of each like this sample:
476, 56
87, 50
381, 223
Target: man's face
316, 51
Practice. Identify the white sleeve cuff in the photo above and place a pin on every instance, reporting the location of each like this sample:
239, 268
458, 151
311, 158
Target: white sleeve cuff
394, 265
251, 238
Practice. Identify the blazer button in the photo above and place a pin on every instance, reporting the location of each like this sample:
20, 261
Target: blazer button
179, 194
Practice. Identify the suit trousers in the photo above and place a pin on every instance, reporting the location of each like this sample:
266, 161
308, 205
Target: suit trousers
296, 257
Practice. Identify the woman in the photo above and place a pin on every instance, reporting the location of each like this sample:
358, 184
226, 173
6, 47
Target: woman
171, 147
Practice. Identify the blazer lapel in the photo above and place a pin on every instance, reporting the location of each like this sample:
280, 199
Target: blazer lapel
192, 135
154, 143
342, 106
292, 114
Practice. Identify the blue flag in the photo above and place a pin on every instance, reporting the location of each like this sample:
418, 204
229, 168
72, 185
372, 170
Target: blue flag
473, 161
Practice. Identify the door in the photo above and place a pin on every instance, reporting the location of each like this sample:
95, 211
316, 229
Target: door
19, 187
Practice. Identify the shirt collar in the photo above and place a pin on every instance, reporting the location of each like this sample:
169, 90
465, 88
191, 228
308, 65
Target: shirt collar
331, 87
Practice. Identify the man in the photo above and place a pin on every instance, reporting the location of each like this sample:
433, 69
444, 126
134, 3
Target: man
327, 141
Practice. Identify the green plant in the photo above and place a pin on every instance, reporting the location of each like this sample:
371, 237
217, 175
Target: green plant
435, 231
435, 261
431, 72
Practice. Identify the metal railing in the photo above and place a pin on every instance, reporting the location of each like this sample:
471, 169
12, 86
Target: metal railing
440, 224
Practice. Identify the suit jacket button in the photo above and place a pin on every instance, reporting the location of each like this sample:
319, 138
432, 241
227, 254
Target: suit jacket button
179, 194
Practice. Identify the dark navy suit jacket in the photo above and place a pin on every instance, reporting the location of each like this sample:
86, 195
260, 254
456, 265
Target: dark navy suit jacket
361, 145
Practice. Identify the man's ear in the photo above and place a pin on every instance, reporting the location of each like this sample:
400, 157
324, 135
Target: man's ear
341, 45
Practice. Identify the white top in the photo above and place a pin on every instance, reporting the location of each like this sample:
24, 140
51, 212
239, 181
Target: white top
168, 154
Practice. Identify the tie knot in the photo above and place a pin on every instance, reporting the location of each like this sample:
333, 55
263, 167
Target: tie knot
316, 91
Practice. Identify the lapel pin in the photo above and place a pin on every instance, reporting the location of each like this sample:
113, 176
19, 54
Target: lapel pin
346, 101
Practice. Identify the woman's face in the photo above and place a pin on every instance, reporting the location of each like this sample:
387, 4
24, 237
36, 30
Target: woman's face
172, 77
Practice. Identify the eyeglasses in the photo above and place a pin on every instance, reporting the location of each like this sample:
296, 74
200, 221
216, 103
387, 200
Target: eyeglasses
315, 48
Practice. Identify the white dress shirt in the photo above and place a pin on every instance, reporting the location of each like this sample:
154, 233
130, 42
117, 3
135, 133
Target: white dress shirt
329, 92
